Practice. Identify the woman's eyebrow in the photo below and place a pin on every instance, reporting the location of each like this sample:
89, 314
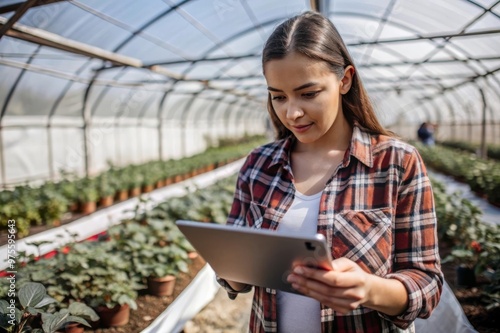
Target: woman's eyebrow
307, 85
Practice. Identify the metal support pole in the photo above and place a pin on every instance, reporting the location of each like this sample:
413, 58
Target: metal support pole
50, 152
2, 159
484, 148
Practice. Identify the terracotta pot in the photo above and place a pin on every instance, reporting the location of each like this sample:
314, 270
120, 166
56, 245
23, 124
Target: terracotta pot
163, 286
169, 180
147, 188
73, 207
74, 328
178, 178
117, 316
160, 184
87, 207
121, 195
134, 192
106, 201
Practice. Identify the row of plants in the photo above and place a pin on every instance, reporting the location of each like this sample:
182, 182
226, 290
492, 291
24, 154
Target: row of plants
52, 202
483, 176
475, 244
131, 257
493, 151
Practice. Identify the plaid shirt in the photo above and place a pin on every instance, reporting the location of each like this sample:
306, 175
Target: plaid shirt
377, 209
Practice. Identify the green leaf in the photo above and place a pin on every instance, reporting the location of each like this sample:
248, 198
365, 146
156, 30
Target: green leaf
74, 319
81, 309
52, 322
31, 294
46, 300
32, 310
3, 306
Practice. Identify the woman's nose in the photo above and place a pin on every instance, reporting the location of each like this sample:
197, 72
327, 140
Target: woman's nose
293, 111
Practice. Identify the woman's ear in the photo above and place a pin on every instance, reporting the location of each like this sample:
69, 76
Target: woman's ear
346, 81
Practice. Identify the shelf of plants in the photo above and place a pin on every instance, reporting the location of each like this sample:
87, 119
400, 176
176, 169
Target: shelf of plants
138, 245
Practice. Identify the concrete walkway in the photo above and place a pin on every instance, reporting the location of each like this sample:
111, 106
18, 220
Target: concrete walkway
491, 214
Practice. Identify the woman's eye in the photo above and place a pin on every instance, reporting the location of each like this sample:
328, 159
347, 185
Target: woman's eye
278, 98
311, 94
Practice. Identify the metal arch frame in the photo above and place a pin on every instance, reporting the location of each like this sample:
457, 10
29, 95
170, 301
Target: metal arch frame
130, 38
2, 114
398, 40
187, 109
122, 44
21, 9
446, 37
206, 53
16, 6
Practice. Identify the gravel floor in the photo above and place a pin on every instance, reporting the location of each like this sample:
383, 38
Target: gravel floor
222, 315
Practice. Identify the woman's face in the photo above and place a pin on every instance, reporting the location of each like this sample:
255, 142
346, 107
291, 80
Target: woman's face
306, 96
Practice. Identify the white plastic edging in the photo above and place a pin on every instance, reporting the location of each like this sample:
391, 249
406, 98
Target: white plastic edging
101, 220
192, 300
447, 317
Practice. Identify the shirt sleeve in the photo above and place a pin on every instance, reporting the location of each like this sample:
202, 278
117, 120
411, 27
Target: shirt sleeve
416, 259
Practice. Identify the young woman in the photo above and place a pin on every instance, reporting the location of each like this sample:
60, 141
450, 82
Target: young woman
334, 170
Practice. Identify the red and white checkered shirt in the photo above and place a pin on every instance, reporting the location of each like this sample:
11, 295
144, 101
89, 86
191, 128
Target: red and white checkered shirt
377, 209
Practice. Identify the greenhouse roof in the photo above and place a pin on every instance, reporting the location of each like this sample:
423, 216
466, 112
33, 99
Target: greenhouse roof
420, 60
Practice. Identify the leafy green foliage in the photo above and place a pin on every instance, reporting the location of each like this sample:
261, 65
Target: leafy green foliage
33, 302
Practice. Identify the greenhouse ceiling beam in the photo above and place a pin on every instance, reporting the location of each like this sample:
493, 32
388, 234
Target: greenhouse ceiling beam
254, 55
427, 37
186, 61
20, 11
16, 6
45, 38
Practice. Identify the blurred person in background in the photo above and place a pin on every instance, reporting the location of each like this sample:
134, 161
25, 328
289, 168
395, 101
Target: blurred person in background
333, 169
425, 134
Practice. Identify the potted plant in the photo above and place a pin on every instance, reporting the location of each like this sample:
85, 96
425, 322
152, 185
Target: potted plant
52, 204
92, 273
466, 257
134, 179
67, 187
106, 189
154, 251
87, 195
34, 303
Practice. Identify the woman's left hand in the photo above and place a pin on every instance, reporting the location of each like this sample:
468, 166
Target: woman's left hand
343, 289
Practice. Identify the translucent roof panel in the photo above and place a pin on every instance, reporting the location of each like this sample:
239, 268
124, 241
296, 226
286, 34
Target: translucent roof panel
92, 57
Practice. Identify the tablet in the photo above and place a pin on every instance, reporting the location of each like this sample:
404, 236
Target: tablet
254, 256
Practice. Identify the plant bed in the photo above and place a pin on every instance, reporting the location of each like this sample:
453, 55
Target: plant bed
469, 298
149, 307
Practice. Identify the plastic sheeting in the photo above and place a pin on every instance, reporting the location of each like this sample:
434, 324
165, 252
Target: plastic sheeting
447, 317
198, 294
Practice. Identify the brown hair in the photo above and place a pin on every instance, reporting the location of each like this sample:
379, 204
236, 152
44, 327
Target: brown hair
313, 35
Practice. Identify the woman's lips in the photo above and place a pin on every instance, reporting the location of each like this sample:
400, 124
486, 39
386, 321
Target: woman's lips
301, 128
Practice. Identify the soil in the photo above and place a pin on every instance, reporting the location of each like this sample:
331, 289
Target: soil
149, 307
484, 321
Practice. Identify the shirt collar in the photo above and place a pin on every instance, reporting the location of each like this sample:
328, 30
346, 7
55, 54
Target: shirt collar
360, 147
282, 156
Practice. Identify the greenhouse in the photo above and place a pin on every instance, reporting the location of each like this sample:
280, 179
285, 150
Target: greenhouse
118, 118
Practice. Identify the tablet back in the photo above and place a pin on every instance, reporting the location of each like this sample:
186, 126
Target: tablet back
253, 256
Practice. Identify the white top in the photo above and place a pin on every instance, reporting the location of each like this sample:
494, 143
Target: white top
297, 313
